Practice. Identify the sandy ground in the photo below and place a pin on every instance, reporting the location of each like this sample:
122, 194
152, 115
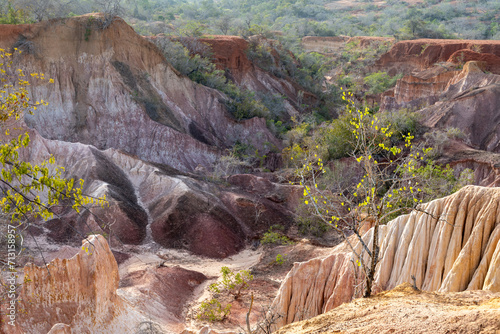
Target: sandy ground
405, 310
268, 275
262, 262
172, 257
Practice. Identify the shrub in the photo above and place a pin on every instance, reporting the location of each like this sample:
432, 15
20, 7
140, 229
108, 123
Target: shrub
379, 82
233, 283
438, 139
401, 123
337, 137
148, 327
308, 224
194, 59
212, 310
228, 165
280, 259
438, 181
272, 237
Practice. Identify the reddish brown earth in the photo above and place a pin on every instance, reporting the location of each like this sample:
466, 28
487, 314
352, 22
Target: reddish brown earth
165, 290
190, 221
491, 61
451, 83
486, 165
420, 54
151, 204
230, 55
134, 128
80, 292
469, 104
123, 119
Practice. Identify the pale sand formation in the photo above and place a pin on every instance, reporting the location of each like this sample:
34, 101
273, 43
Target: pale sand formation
453, 248
79, 292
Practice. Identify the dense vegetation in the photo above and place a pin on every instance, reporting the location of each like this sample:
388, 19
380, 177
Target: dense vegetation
295, 18
427, 18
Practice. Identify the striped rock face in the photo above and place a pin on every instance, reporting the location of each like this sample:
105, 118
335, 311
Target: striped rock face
114, 89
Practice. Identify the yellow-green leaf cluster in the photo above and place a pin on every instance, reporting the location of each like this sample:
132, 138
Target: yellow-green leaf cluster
27, 189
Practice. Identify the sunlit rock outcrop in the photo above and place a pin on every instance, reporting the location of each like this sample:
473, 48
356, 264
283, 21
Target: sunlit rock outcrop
451, 84
469, 103
80, 293
451, 245
83, 293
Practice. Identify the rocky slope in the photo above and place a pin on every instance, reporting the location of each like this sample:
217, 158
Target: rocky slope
230, 55
137, 131
405, 310
432, 67
453, 246
151, 203
121, 118
451, 84
468, 103
81, 292
114, 89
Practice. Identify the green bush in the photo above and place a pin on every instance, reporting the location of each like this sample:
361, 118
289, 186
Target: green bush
280, 259
194, 60
308, 69
379, 82
233, 283
337, 137
273, 238
212, 310
308, 224
401, 123
438, 139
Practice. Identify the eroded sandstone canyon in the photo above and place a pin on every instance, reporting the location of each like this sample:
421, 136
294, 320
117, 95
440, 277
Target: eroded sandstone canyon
121, 118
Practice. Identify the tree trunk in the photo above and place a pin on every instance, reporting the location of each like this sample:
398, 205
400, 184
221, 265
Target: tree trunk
373, 263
